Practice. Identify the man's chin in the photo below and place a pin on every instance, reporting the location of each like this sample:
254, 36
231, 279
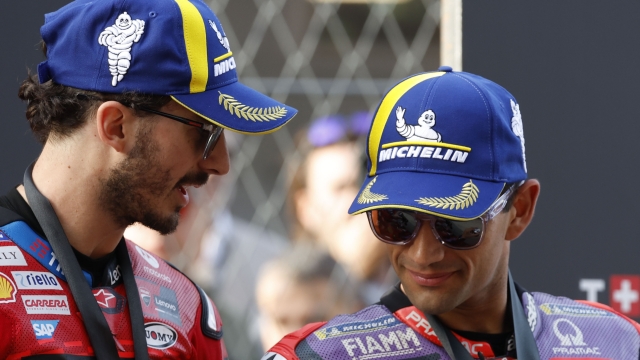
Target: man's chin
431, 301
165, 225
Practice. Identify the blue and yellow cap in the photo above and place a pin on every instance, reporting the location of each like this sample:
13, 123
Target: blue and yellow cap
443, 143
162, 47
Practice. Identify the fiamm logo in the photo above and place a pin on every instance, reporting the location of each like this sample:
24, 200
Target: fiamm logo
160, 336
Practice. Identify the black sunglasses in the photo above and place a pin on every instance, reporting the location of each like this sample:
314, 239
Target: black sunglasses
400, 227
213, 130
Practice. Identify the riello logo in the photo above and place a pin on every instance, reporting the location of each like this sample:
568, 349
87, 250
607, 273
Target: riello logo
160, 336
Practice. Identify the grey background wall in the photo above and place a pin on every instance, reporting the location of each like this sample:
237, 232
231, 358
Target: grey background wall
573, 66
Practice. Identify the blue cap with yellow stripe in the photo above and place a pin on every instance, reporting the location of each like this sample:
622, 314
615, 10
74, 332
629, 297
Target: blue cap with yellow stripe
443, 143
162, 47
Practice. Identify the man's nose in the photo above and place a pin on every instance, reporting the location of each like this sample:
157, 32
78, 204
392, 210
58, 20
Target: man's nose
217, 163
425, 249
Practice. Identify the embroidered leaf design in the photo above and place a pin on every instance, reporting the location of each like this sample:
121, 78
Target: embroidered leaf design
467, 197
368, 197
246, 112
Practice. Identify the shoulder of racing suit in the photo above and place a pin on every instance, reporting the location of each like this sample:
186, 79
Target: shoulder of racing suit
562, 328
37, 306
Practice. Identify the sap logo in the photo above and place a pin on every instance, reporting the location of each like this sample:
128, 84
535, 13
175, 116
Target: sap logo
392, 344
571, 340
44, 329
36, 280
46, 304
160, 336
12, 256
224, 66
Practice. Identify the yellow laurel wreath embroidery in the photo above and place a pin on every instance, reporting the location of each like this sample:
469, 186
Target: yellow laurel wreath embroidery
6, 289
240, 110
466, 198
368, 197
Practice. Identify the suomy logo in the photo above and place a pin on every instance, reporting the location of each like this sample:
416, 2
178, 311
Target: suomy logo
160, 336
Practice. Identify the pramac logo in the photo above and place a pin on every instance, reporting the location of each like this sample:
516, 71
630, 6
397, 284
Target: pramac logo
421, 140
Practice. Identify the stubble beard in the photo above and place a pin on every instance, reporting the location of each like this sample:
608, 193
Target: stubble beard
128, 192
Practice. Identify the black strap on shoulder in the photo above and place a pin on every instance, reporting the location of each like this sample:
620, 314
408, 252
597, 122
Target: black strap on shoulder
525, 343
96, 326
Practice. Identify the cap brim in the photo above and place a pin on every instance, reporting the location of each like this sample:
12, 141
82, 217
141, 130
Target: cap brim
239, 108
453, 197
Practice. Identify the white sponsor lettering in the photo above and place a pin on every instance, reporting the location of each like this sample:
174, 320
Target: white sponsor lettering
572, 341
160, 336
114, 275
458, 156
46, 304
592, 288
36, 280
156, 274
43, 329
12, 256
165, 304
224, 66
393, 343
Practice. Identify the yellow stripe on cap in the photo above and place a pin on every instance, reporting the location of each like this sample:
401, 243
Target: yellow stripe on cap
386, 107
222, 57
195, 40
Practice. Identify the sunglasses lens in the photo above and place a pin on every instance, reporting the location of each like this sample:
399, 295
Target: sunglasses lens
400, 227
459, 234
393, 226
211, 142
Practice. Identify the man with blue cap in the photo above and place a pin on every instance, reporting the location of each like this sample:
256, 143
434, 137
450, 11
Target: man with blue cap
130, 105
447, 192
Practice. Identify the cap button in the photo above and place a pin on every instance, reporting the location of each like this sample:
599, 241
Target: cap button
445, 68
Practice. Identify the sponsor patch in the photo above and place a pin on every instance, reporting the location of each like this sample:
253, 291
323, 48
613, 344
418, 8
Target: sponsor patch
145, 295
4, 237
160, 336
573, 310
109, 300
148, 257
156, 274
46, 304
36, 280
12, 256
356, 327
119, 39
7, 289
44, 329
166, 304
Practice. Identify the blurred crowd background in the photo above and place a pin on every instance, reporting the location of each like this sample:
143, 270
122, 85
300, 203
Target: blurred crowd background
272, 243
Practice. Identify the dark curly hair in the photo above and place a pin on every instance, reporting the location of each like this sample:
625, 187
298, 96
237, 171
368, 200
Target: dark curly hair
56, 110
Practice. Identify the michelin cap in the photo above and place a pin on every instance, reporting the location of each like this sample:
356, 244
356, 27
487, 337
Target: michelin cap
162, 47
443, 143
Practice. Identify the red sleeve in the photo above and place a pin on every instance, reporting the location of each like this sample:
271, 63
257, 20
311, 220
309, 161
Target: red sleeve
206, 335
285, 349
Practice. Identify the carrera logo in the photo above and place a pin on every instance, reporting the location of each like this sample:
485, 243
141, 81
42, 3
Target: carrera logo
7, 289
36, 280
160, 336
51, 304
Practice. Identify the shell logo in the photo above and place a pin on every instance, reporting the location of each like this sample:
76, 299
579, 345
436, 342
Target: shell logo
7, 289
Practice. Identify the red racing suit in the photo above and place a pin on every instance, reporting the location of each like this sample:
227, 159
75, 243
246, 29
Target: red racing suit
39, 318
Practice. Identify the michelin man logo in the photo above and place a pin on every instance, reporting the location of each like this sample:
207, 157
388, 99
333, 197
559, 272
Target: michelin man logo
516, 126
422, 131
223, 39
119, 39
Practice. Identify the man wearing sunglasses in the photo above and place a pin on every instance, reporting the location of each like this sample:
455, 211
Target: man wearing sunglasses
447, 210
130, 105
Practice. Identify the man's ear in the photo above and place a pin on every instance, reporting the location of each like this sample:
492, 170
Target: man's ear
524, 205
115, 126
